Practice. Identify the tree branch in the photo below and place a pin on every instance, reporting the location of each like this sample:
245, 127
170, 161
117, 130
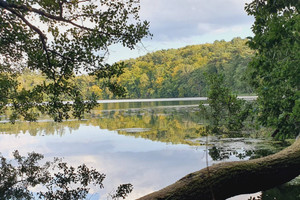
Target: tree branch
233, 178
61, 9
42, 36
10, 7
60, 18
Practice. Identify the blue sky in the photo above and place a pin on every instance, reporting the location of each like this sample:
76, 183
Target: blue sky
178, 23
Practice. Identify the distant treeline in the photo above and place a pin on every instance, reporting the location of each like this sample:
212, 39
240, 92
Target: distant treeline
172, 73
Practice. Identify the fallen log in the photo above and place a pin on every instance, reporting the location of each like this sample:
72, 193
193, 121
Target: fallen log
224, 180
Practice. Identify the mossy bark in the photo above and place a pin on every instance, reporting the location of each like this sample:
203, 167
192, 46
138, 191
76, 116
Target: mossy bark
225, 180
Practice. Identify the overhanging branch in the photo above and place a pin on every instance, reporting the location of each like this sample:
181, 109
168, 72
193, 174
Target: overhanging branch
26, 8
234, 178
42, 36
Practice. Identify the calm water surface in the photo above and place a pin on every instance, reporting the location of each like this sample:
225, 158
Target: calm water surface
147, 144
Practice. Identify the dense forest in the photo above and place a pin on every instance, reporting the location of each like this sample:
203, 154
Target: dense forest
180, 72
171, 73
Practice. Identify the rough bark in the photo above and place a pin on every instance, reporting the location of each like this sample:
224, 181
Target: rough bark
225, 180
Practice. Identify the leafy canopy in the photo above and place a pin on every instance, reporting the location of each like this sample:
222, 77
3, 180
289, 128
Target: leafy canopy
61, 38
275, 68
225, 112
56, 179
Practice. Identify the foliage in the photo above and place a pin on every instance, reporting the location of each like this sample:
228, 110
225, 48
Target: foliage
59, 180
274, 71
59, 39
166, 73
179, 72
287, 191
225, 112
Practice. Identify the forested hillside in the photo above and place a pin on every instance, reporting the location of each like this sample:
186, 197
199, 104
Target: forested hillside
180, 72
171, 73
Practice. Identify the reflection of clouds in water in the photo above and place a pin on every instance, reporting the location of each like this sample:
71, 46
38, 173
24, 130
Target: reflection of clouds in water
23, 143
147, 171
145, 164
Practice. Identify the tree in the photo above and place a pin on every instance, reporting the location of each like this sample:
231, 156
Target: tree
60, 180
225, 113
275, 68
59, 39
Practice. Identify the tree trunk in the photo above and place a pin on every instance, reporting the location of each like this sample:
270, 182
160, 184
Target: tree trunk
225, 180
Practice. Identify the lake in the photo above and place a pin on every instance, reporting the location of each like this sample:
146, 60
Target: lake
148, 144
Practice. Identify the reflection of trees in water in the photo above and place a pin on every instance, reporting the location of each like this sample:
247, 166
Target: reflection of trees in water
175, 125
40, 128
219, 153
171, 124
224, 150
52, 180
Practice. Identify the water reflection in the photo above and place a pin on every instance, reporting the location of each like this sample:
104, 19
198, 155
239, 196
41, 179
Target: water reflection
147, 165
148, 145
166, 124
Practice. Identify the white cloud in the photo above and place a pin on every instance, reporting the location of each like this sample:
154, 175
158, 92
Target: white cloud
9, 143
176, 19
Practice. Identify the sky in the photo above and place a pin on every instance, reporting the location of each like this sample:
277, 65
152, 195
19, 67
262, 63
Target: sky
178, 23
